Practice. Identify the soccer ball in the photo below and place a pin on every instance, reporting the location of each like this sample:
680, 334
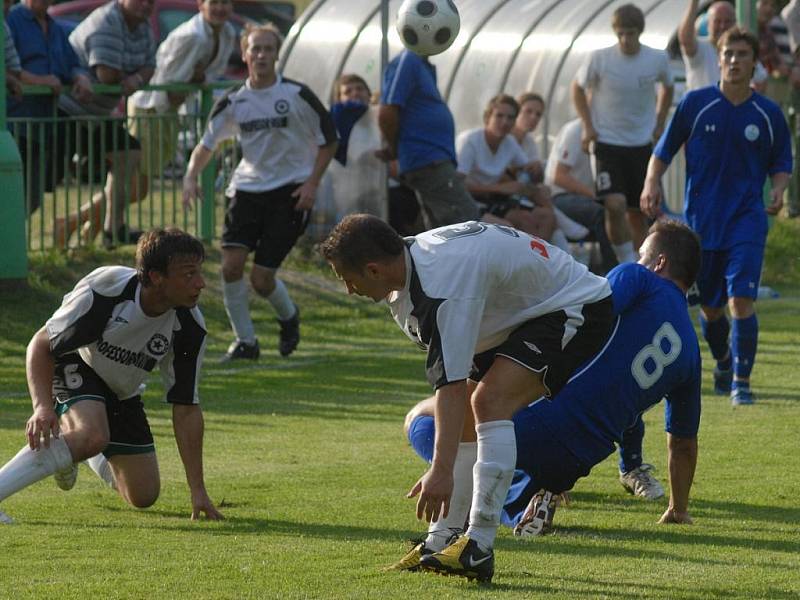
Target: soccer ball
428, 27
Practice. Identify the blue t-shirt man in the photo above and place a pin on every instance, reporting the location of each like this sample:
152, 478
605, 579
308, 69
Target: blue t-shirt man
652, 354
420, 133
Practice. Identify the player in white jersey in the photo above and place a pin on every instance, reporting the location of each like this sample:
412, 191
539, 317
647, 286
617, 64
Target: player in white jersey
86, 368
287, 139
489, 304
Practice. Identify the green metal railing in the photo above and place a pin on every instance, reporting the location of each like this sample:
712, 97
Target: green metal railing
65, 160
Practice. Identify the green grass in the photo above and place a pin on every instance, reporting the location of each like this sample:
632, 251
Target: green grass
308, 458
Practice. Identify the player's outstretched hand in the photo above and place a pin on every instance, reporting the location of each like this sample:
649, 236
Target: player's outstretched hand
776, 197
42, 423
672, 516
201, 503
305, 195
434, 490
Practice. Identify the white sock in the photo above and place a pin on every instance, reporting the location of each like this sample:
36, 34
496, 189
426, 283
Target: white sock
494, 469
30, 466
439, 532
625, 252
560, 240
235, 296
100, 465
281, 302
571, 228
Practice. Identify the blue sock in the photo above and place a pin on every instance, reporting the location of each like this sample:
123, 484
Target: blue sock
421, 434
744, 341
716, 334
630, 450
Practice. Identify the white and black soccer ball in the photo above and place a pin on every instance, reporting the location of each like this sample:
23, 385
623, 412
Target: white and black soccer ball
428, 27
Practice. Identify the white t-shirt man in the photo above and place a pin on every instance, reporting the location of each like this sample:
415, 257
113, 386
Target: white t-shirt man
479, 163
623, 98
702, 69
567, 150
531, 148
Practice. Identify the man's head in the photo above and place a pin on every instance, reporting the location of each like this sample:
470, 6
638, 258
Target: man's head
136, 11
260, 47
500, 114
352, 88
364, 252
673, 251
37, 7
215, 12
531, 109
738, 52
168, 261
721, 17
628, 24
765, 11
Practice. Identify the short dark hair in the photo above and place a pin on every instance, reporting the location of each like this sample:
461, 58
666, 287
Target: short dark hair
359, 239
497, 101
628, 16
344, 80
530, 97
739, 34
682, 248
157, 248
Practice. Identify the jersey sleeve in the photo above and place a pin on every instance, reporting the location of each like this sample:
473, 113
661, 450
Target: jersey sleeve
682, 409
180, 369
105, 46
587, 72
465, 153
399, 81
665, 75
781, 155
453, 336
316, 118
221, 123
519, 157
676, 134
628, 281
80, 320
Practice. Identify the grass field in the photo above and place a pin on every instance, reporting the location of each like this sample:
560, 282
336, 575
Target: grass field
307, 458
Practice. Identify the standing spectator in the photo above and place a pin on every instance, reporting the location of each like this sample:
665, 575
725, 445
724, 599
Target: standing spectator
45, 58
115, 45
624, 116
419, 132
287, 139
196, 51
13, 67
490, 159
734, 138
773, 39
700, 56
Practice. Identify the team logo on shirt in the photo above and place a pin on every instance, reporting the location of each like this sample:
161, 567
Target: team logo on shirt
751, 132
281, 107
158, 345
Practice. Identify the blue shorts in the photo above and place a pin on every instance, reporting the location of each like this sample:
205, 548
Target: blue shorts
731, 273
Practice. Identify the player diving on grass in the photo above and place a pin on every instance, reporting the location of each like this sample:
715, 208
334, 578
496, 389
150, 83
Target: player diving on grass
491, 305
87, 366
653, 353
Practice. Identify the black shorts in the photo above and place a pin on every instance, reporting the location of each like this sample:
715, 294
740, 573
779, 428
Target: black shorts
497, 204
555, 344
621, 170
74, 381
264, 222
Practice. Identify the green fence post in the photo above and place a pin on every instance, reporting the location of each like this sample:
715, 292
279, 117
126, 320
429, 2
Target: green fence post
208, 176
746, 14
14, 257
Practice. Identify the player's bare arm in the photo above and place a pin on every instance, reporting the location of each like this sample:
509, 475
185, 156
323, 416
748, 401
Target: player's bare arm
187, 422
436, 486
581, 103
663, 104
682, 462
40, 367
780, 182
307, 192
650, 200
201, 156
389, 123
686, 33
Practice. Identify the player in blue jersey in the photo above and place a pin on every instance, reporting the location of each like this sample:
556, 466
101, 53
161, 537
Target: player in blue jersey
652, 354
734, 138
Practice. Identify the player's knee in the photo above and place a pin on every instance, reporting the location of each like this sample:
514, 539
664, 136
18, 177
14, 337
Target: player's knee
712, 313
232, 272
741, 308
86, 444
142, 496
263, 281
615, 205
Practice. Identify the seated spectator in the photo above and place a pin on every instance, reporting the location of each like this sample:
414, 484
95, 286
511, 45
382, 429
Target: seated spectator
45, 57
491, 159
531, 109
569, 175
115, 45
197, 51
